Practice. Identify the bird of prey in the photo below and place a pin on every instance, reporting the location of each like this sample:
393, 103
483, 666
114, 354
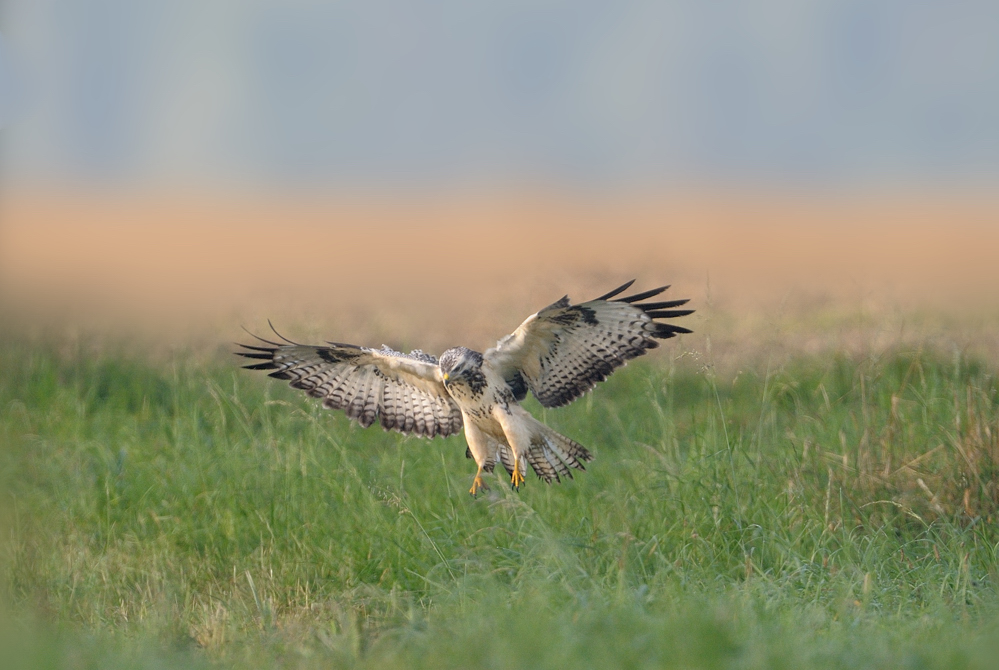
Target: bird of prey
558, 354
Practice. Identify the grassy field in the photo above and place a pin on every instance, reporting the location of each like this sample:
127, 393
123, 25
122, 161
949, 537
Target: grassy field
832, 512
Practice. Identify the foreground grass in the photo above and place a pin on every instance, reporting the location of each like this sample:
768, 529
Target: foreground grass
832, 513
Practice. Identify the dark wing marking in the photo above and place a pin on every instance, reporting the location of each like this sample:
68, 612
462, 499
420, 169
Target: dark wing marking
517, 384
404, 390
564, 350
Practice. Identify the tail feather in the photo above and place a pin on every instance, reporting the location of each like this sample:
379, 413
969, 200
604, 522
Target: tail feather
505, 456
552, 455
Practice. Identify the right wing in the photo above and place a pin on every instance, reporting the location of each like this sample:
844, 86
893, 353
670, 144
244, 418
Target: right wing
405, 390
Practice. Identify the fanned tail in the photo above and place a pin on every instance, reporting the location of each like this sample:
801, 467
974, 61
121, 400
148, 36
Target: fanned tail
553, 455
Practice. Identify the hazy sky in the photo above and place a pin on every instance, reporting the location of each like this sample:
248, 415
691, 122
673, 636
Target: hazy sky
241, 92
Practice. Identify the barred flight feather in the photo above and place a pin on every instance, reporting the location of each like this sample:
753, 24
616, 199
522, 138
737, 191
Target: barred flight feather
564, 350
552, 455
403, 390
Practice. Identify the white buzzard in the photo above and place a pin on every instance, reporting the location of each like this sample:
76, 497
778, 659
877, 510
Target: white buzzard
558, 354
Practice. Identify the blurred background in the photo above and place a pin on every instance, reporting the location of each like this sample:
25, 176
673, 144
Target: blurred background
357, 166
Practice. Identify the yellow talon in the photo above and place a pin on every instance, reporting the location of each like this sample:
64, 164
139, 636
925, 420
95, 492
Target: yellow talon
518, 478
478, 484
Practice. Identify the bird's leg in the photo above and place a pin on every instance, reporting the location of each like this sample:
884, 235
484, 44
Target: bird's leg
478, 484
515, 422
478, 448
518, 477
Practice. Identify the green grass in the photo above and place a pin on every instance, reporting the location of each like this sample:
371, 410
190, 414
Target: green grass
830, 513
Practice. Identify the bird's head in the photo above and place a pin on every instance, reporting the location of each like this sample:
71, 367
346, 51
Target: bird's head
459, 363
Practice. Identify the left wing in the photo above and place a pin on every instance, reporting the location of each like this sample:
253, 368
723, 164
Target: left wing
405, 390
561, 352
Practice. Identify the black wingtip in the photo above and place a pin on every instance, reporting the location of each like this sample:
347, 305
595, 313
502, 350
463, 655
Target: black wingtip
643, 295
668, 313
620, 289
269, 365
256, 354
664, 304
664, 331
661, 309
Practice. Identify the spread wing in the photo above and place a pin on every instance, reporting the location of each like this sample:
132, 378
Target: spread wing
562, 351
404, 390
